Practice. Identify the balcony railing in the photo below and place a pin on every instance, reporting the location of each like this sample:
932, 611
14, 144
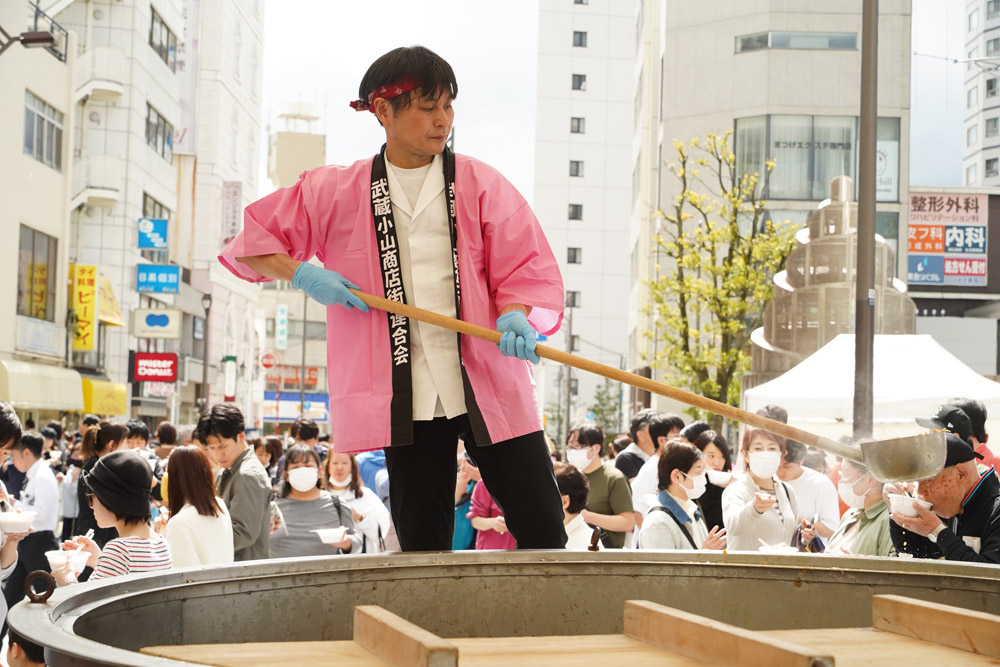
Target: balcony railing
97, 181
100, 74
40, 21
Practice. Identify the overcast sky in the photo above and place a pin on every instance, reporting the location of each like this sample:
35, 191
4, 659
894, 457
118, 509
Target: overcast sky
317, 51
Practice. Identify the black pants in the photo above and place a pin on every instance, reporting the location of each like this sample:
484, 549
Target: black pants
30, 557
517, 473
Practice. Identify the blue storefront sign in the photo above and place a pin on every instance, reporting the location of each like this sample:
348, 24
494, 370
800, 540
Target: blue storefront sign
152, 234
157, 278
925, 269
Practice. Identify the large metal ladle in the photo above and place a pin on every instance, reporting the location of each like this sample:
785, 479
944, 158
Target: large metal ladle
898, 459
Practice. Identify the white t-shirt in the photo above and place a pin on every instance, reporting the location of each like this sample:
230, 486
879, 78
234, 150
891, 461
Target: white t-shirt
420, 211
196, 539
645, 484
376, 516
41, 494
579, 534
816, 495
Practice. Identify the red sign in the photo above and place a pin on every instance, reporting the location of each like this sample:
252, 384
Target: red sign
964, 267
268, 360
155, 367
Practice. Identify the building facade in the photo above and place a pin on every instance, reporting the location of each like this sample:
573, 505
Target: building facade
582, 184
981, 157
784, 78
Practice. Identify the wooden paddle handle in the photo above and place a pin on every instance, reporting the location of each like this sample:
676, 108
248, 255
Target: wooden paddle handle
652, 386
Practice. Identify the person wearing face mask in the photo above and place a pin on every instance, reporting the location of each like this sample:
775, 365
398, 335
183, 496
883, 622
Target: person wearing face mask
370, 516
675, 521
609, 506
864, 528
306, 507
759, 507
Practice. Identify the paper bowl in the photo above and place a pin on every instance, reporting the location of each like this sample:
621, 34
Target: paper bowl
78, 558
904, 505
16, 522
331, 535
719, 477
778, 549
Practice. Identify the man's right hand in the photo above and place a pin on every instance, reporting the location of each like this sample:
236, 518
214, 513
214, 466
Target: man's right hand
327, 287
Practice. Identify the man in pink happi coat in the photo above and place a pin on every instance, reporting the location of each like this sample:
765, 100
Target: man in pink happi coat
444, 232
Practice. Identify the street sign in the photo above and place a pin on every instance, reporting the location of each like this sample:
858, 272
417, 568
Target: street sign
268, 360
164, 279
155, 367
156, 323
281, 326
152, 234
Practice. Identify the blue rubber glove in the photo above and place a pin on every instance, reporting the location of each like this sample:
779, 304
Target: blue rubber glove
518, 339
327, 287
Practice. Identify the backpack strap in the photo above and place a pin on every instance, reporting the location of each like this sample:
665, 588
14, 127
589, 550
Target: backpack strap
661, 508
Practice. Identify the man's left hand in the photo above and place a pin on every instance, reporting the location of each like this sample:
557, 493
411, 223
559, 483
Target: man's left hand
923, 524
518, 339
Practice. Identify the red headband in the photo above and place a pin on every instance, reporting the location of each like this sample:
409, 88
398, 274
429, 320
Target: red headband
387, 91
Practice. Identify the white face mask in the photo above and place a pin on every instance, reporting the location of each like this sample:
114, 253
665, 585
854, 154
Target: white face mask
700, 483
578, 458
764, 464
847, 494
303, 479
342, 482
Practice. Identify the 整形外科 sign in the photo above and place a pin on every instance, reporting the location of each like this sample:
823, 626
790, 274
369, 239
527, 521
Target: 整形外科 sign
947, 239
155, 367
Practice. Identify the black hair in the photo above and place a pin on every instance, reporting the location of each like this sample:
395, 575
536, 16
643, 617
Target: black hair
33, 443
307, 429
325, 437
29, 424
775, 412
621, 441
572, 483
590, 434
32, 651
693, 430
795, 452
10, 425
427, 68
639, 421
166, 434
976, 412
710, 437
224, 421
137, 427
662, 424
675, 455
49, 434
91, 420
57, 427
295, 454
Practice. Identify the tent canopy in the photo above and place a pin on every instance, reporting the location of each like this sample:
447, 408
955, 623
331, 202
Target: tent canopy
913, 375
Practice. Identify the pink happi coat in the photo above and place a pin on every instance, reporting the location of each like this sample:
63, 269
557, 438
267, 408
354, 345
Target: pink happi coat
503, 258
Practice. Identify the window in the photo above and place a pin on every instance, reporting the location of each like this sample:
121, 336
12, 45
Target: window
992, 127
574, 384
157, 211
163, 41
972, 97
577, 125
580, 2
992, 9
991, 87
823, 41
970, 175
973, 54
579, 82
579, 38
992, 167
159, 134
43, 131
576, 211
572, 299
992, 47
973, 20
576, 168
574, 346
36, 274
971, 135
574, 255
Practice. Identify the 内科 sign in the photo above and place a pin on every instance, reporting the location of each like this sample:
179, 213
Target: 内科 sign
947, 240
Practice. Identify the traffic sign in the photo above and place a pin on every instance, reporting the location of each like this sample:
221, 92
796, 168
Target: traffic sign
268, 360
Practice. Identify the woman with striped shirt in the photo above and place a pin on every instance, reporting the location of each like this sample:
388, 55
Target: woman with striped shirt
118, 489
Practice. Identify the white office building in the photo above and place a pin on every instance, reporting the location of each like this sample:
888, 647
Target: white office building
583, 158
981, 158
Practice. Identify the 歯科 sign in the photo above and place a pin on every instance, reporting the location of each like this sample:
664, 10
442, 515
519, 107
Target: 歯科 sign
155, 367
947, 239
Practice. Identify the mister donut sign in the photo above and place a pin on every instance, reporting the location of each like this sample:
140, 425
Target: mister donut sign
155, 367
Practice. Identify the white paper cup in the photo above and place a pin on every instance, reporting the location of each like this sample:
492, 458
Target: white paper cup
904, 505
16, 522
77, 558
331, 535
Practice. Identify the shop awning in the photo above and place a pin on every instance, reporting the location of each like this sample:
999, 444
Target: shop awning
109, 311
26, 385
102, 397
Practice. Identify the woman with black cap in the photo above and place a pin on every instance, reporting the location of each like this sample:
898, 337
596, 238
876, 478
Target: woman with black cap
118, 489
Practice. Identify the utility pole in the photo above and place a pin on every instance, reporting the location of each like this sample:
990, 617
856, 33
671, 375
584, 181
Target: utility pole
569, 375
302, 368
864, 289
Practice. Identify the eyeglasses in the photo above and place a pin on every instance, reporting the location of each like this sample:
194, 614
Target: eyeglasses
90, 500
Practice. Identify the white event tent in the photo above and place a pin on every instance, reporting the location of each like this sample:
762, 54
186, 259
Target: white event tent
913, 375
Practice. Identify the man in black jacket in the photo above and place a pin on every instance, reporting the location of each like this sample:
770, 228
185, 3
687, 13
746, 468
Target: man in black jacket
964, 522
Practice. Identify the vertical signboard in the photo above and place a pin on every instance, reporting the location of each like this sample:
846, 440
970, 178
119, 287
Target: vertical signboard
39, 290
187, 77
232, 210
281, 326
85, 306
947, 240
229, 378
